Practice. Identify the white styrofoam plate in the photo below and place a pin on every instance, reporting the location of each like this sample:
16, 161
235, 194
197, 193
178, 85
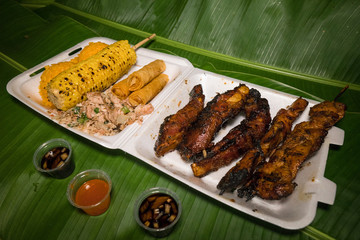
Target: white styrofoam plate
294, 212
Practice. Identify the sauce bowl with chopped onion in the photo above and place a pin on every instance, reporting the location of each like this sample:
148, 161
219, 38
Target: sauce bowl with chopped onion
157, 210
54, 158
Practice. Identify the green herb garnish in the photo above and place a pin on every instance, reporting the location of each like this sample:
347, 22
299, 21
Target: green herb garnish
76, 110
83, 118
96, 110
125, 109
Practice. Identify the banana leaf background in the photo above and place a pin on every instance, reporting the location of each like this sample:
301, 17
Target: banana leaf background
310, 48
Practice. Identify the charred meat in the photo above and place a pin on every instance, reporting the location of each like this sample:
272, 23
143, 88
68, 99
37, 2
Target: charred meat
274, 179
174, 127
280, 127
239, 139
216, 113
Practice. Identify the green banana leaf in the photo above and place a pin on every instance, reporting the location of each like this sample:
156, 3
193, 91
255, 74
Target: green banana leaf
307, 48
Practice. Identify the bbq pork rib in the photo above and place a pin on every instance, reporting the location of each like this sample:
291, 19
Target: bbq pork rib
175, 126
216, 113
239, 139
274, 179
281, 125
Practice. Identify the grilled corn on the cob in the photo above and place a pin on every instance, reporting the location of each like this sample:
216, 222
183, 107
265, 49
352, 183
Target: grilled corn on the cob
94, 74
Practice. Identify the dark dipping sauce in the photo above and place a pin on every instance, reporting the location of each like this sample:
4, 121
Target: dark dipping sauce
54, 158
158, 210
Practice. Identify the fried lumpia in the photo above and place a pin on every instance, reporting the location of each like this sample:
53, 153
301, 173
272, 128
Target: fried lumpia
148, 92
140, 78
121, 89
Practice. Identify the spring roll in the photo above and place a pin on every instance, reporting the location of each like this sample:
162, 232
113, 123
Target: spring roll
121, 89
148, 92
140, 78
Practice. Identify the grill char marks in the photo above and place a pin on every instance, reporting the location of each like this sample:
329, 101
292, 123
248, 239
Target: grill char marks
280, 127
175, 126
239, 139
274, 179
217, 112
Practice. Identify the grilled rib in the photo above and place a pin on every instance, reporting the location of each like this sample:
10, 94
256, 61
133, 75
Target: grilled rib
280, 127
274, 179
239, 139
175, 126
216, 113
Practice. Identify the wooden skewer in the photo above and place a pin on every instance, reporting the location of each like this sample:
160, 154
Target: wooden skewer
144, 41
341, 92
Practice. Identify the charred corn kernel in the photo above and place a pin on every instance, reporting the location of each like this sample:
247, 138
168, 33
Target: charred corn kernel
93, 74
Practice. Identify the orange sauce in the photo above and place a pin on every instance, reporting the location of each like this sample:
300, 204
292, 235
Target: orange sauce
93, 192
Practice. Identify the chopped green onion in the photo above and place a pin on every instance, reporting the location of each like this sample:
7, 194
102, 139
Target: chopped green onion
125, 109
96, 110
83, 118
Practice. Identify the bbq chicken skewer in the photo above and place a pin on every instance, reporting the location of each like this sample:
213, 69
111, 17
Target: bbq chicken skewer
174, 127
274, 179
217, 112
239, 139
280, 127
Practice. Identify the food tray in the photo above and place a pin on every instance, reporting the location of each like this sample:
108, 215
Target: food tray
25, 86
294, 212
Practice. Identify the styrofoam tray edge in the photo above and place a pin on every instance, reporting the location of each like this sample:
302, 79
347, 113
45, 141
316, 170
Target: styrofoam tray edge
323, 186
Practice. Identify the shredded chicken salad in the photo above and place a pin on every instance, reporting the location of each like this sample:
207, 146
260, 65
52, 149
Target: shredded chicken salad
103, 113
